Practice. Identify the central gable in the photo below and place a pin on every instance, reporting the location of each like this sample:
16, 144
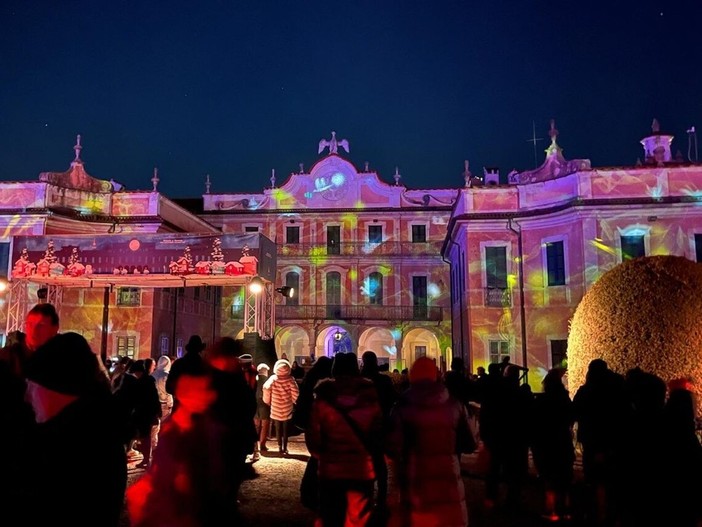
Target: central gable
334, 182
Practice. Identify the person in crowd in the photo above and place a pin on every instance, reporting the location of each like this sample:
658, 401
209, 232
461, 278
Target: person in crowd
297, 371
180, 487
147, 411
41, 324
309, 485
684, 453
457, 382
160, 375
601, 411
641, 479
248, 370
552, 444
73, 408
280, 391
387, 398
191, 360
232, 415
429, 431
505, 432
119, 371
345, 435
262, 420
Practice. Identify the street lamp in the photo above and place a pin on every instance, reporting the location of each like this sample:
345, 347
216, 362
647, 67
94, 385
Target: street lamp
256, 285
286, 291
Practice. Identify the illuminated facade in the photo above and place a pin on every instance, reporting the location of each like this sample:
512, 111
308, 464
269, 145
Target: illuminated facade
362, 255
141, 321
525, 253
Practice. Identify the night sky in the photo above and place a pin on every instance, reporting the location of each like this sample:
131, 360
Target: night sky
234, 88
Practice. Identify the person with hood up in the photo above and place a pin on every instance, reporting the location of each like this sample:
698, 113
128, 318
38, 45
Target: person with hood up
429, 431
345, 435
280, 391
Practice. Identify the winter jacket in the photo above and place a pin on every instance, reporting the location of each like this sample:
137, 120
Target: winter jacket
329, 437
427, 428
281, 391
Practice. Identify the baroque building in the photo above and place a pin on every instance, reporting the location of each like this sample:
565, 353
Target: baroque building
362, 255
523, 254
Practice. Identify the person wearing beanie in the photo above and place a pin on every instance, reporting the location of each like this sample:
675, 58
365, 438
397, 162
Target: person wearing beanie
429, 430
191, 361
280, 391
74, 411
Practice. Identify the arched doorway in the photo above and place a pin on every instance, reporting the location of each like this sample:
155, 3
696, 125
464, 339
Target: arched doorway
381, 342
294, 342
420, 342
333, 340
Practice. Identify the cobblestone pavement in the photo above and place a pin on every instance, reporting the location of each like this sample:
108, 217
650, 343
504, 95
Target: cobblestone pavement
271, 496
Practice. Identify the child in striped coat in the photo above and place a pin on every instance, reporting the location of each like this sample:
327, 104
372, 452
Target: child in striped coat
280, 392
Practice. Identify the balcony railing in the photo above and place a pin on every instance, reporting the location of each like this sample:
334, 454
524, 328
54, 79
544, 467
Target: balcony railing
498, 297
389, 248
364, 312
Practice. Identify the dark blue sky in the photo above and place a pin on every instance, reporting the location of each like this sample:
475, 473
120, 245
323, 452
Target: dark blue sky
236, 88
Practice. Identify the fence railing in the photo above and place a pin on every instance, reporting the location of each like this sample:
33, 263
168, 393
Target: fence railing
364, 312
388, 248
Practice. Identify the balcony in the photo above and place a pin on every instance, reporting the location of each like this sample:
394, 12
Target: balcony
388, 248
364, 312
498, 297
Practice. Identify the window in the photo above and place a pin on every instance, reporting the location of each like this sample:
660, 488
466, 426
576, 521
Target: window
698, 247
250, 228
632, 247
333, 239
498, 350
128, 296
375, 234
375, 289
292, 279
419, 233
164, 345
420, 351
419, 297
496, 267
496, 292
126, 346
292, 234
555, 263
334, 295
559, 353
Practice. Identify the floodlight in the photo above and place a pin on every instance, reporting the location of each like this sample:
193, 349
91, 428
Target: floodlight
256, 285
286, 291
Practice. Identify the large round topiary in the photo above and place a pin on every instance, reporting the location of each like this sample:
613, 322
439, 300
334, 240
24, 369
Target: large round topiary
646, 312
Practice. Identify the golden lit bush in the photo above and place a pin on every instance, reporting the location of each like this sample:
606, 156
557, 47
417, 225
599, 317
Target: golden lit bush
645, 312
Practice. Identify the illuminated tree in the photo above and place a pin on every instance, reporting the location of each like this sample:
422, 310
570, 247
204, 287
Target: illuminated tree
49, 255
188, 258
75, 257
643, 313
217, 255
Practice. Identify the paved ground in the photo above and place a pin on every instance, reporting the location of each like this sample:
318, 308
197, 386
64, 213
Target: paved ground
271, 496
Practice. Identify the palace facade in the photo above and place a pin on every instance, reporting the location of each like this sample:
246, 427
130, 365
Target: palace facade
484, 271
524, 254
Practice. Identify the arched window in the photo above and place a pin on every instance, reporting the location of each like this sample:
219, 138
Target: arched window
375, 289
292, 279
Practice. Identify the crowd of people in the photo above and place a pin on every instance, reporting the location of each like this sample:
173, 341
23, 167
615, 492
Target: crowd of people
385, 448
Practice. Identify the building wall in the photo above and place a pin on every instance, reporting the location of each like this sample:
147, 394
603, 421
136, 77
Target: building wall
588, 211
